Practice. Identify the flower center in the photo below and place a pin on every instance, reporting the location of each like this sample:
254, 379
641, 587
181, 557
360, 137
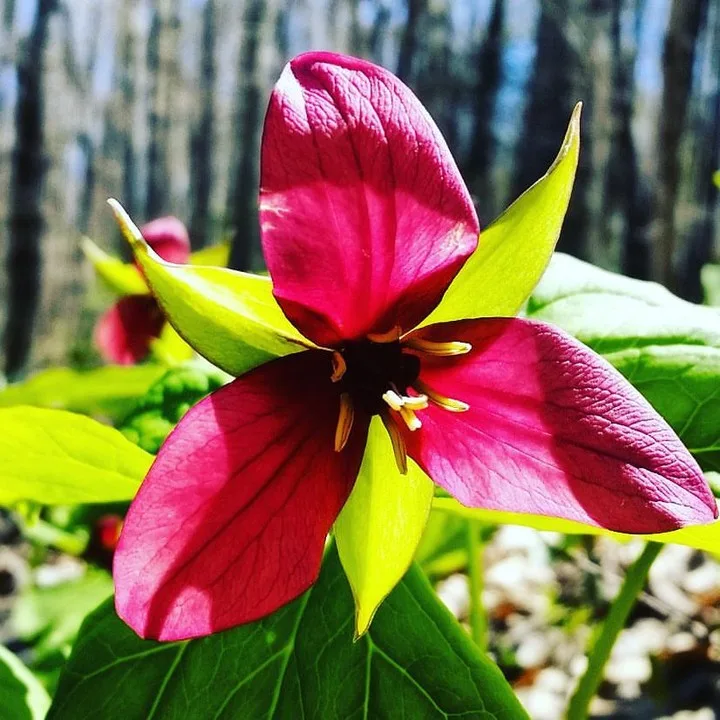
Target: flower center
381, 376
373, 369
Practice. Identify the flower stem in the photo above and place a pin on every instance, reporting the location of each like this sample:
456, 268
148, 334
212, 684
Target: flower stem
604, 639
478, 621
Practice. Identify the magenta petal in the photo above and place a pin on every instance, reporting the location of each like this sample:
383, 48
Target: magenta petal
169, 238
124, 332
365, 218
231, 521
552, 429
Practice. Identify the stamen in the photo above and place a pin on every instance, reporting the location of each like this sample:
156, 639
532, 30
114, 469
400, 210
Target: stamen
339, 367
394, 400
415, 402
398, 442
386, 337
345, 421
410, 418
439, 349
444, 402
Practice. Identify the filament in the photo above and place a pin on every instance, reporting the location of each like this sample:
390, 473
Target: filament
397, 441
346, 417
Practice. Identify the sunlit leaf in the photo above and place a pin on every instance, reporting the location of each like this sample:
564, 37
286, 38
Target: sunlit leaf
229, 317
515, 249
415, 662
122, 278
22, 697
57, 457
381, 524
111, 390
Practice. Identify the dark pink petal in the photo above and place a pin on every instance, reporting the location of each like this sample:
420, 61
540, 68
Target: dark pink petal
168, 237
365, 218
231, 521
124, 332
552, 429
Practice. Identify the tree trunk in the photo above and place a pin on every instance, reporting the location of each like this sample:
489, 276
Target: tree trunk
678, 58
408, 45
202, 142
26, 221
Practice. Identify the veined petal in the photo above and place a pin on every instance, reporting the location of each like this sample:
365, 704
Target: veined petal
231, 521
381, 524
515, 248
552, 429
229, 317
124, 332
365, 218
169, 238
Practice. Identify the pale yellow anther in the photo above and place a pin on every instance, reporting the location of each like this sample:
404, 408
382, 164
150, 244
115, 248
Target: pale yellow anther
339, 367
416, 402
393, 399
444, 402
390, 336
439, 349
410, 418
346, 417
397, 441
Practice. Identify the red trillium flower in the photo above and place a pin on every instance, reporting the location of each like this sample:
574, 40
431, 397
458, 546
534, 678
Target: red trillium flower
124, 333
365, 223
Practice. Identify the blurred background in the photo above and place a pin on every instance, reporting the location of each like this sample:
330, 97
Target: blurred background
160, 103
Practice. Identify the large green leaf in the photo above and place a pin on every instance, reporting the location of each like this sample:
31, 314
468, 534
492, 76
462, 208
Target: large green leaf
56, 457
515, 249
301, 662
701, 537
668, 348
22, 697
381, 524
112, 390
229, 317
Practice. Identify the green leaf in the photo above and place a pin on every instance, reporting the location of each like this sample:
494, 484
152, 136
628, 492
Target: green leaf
716, 178
515, 249
111, 390
611, 312
122, 278
381, 524
701, 537
22, 697
666, 347
301, 662
214, 255
229, 317
56, 457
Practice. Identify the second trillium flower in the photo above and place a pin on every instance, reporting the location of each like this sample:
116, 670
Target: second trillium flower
366, 222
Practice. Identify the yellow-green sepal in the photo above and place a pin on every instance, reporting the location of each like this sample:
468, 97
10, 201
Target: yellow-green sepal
701, 537
213, 255
514, 250
229, 317
122, 278
380, 526
170, 349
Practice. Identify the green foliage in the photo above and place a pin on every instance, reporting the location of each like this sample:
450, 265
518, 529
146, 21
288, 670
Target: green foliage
668, 348
54, 457
415, 662
109, 391
22, 697
710, 279
157, 413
